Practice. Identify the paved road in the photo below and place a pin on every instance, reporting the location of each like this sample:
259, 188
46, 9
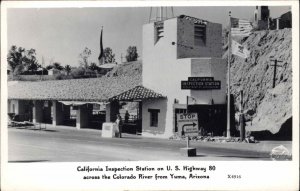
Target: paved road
71, 145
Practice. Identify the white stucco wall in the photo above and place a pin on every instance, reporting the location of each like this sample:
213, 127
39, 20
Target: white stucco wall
164, 128
209, 67
13, 104
165, 65
185, 33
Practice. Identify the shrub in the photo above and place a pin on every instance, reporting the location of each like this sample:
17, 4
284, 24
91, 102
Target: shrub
78, 73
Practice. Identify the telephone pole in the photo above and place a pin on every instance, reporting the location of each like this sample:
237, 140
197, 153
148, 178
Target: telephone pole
275, 67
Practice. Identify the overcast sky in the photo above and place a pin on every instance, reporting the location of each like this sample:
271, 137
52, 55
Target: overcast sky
61, 34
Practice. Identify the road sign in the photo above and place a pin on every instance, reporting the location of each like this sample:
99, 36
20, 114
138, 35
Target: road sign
188, 124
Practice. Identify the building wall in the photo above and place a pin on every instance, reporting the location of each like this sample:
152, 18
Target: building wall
161, 72
13, 106
21, 106
61, 112
210, 67
285, 20
112, 109
160, 130
38, 111
165, 65
262, 25
83, 115
185, 33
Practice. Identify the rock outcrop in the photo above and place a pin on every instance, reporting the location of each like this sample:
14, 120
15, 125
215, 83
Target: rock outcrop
267, 108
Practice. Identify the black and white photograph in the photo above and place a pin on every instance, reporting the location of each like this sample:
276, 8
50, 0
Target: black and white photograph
149, 84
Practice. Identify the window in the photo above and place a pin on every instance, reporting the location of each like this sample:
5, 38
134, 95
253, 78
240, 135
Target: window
199, 34
153, 117
159, 30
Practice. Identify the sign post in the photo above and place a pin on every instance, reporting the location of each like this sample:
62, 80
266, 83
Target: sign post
188, 126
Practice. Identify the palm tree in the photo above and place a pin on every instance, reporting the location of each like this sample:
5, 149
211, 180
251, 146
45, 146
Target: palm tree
68, 69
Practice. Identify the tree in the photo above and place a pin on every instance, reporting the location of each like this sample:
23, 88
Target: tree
108, 55
132, 54
84, 56
93, 66
19, 69
58, 66
49, 67
31, 63
19, 56
68, 69
15, 57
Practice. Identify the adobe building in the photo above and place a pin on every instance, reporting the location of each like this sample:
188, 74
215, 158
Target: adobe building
176, 51
261, 17
284, 21
183, 71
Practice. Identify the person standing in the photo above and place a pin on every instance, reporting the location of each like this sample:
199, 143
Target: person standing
119, 125
127, 116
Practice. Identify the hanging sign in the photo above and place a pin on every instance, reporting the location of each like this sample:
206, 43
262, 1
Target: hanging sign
201, 83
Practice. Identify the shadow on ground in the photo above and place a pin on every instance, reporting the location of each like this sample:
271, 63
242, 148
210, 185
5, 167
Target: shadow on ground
35, 129
27, 161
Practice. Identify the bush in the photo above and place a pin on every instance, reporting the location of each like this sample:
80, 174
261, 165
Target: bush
78, 73
90, 73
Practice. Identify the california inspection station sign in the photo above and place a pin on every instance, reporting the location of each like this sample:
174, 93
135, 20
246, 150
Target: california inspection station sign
201, 83
188, 123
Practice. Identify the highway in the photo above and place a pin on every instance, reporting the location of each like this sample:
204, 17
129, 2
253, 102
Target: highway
71, 145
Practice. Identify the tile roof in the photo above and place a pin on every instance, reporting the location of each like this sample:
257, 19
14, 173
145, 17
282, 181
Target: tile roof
122, 88
91, 89
136, 93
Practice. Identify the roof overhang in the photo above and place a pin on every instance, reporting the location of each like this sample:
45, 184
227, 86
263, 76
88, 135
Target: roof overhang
137, 93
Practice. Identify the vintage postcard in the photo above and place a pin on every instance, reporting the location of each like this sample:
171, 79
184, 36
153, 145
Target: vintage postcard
146, 95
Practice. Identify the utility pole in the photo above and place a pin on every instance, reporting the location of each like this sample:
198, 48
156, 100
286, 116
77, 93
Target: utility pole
242, 119
275, 67
228, 79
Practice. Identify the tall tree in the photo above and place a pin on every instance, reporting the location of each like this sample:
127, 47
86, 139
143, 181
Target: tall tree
83, 62
30, 60
132, 54
19, 56
15, 57
109, 57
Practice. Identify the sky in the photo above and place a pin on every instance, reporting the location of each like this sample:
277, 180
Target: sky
61, 34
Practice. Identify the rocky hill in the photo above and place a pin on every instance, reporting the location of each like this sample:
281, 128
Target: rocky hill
128, 68
268, 109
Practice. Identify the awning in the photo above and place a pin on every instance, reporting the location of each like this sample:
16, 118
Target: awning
78, 103
137, 93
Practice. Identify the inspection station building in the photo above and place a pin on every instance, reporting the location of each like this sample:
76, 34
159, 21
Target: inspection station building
183, 71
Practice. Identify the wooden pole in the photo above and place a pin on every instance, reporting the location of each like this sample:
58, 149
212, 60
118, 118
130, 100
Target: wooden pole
242, 120
228, 78
274, 74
